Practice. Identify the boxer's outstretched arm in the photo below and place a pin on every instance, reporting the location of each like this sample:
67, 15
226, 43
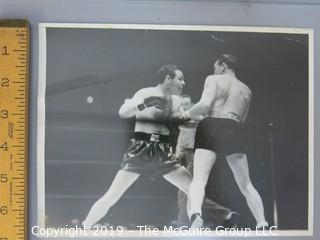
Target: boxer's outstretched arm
207, 98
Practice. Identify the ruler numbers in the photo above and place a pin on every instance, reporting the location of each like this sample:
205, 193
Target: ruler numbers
4, 50
13, 133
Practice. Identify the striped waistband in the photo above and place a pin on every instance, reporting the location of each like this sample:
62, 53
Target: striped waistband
152, 137
229, 115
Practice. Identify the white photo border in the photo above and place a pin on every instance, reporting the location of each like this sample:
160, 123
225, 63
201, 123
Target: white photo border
42, 92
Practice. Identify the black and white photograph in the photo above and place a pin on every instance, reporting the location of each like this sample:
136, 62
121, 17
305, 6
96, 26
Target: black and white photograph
149, 130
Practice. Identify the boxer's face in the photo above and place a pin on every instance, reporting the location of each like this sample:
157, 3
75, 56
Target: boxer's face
218, 67
186, 103
175, 85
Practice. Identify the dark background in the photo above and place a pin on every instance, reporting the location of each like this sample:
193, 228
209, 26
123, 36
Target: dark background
85, 142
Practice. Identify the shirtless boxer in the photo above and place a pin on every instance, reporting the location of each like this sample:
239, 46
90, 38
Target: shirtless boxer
149, 152
225, 99
215, 214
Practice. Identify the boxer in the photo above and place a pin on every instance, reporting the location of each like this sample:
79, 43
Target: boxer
149, 152
225, 100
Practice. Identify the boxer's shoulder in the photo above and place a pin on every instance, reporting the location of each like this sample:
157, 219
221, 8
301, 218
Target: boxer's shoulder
215, 77
144, 92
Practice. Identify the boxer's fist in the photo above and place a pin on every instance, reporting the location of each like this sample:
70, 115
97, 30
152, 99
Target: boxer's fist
153, 101
186, 116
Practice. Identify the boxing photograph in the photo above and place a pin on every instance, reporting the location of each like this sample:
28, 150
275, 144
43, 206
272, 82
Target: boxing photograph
166, 129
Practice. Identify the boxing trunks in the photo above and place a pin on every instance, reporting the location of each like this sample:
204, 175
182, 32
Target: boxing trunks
221, 135
150, 155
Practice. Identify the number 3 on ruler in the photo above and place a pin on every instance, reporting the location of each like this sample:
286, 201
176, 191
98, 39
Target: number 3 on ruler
4, 114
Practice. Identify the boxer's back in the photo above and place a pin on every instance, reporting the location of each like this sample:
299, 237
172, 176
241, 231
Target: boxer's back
232, 96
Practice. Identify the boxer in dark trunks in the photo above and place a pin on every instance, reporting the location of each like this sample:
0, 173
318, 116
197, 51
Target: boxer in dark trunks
214, 213
225, 100
149, 151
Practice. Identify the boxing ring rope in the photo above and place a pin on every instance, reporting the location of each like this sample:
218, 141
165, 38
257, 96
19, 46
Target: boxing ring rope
273, 174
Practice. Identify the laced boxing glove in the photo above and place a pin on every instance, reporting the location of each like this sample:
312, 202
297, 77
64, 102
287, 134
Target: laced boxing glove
153, 101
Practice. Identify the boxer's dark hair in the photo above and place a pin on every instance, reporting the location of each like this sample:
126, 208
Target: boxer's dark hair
230, 60
166, 70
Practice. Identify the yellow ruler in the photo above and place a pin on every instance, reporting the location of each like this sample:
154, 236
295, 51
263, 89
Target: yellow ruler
14, 78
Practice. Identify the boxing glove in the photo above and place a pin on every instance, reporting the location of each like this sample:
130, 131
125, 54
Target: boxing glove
152, 101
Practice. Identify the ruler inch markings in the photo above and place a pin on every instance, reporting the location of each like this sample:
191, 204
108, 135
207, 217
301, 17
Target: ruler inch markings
14, 62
